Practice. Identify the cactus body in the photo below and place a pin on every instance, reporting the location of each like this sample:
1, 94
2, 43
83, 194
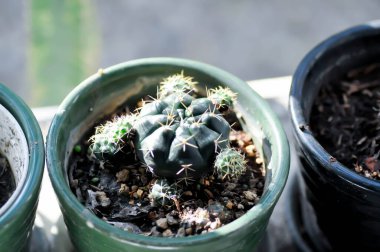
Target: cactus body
162, 192
230, 163
109, 137
177, 83
178, 136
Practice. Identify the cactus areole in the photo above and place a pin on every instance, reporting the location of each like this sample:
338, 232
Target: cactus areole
179, 136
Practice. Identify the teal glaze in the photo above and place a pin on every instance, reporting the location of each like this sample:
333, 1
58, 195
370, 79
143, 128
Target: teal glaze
100, 94
17, 221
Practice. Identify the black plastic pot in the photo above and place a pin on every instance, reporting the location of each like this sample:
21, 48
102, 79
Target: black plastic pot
346, 204
301, 221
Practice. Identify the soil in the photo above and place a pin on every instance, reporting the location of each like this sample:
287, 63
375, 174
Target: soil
117, 192
7, 181
345, 119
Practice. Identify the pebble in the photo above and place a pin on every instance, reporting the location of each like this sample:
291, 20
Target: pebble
103, 199
240, 206
181, 232
162, 223
126, 226
250, 149
155, 232
216, 209
152, 215
122, 175
214, 225
167, 233
171, 220
189, 231
134, 188
229, 204
140, 193
249, 195
259, 160
124, 189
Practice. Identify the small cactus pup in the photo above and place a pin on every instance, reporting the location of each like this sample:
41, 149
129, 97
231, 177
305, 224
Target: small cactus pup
177, 83
178, 135
222, 97
162, 193
110, 137
230, 163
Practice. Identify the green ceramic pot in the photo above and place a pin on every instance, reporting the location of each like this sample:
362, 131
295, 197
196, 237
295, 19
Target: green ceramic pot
22, 143
100, 94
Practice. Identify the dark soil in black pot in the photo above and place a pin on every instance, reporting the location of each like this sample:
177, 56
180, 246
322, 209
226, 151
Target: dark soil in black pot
346, 119
118, 192
7, 181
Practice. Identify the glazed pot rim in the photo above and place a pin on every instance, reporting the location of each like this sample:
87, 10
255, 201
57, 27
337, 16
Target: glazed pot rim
68, 199
28, 123
304, 137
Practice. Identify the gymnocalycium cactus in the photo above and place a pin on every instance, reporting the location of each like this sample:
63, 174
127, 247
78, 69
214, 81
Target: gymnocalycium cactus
177, 135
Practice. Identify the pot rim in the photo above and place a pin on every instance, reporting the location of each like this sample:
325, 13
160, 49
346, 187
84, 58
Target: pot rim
304, 137
67, 198
31, 185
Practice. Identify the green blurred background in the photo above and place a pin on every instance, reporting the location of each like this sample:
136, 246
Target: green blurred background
48, 46
63, 48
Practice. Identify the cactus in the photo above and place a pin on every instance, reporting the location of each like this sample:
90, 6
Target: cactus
222, 97
230, 163
176, 135
162, 192
177, 83
108, 138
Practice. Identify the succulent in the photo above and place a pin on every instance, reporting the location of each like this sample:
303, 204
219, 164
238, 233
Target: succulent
230, 163
162, 192
222, 97
108, 138
177, 135
177, 83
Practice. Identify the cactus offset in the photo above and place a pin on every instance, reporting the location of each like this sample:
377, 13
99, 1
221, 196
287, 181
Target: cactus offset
222, 97
177, 83
108, 138
230, 163
162, 192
